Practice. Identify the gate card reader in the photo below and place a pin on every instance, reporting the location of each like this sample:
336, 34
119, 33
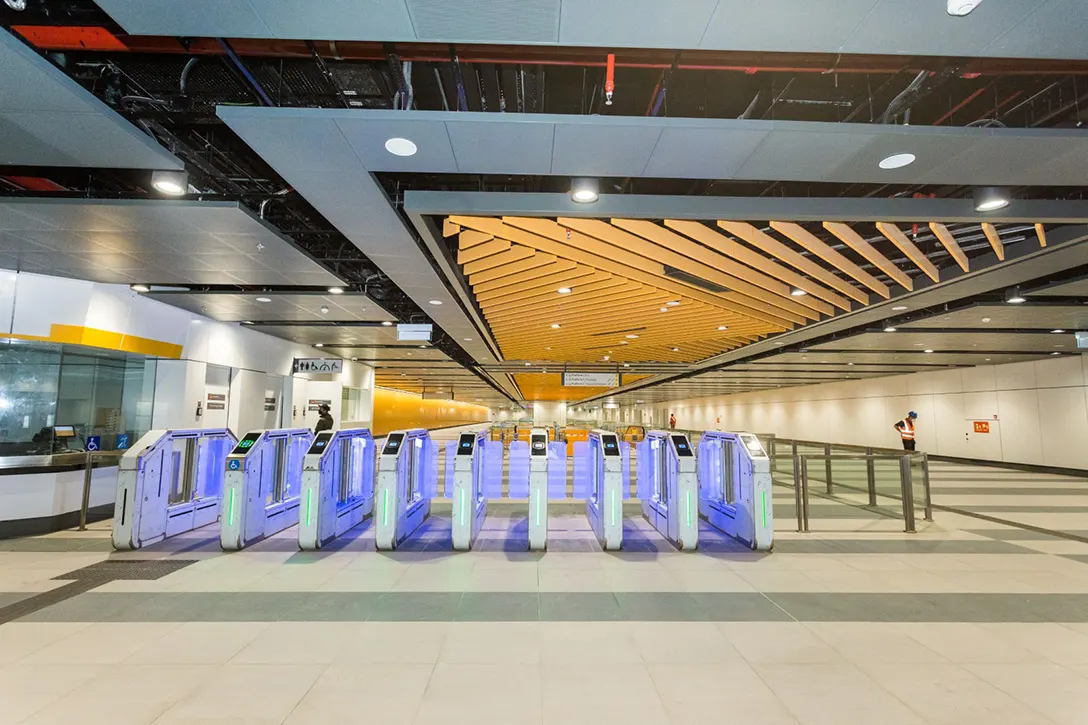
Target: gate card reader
469, 501
668, 487
407, 479
538, 489
337, 485
604, 504
168, 483
735, 487
262, 486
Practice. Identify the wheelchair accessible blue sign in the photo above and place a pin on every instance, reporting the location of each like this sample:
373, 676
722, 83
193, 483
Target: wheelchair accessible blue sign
234, 464
94, 443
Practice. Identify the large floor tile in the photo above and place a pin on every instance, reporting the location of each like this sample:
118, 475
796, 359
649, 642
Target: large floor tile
492, 643
778, 643
349, 693
833, 694
25, 689
1058, 693
101, 643
694, 694
591, 694
599, 643
245, 692
209, 643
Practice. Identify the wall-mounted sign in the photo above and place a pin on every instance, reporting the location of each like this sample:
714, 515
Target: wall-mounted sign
269, 403
122, 441
217, 406
217, 397
414, 332
591, 380
318, 365
982, 426
314, 403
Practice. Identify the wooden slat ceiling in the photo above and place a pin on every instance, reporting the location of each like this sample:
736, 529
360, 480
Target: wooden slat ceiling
677, 291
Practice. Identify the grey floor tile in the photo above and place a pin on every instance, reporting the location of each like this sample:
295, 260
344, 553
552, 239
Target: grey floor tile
950, 607
7, 598
579, 607
499, 607
416, 607
660, 607
255, 606
334, 607
93, 607
1019, 534
739, 607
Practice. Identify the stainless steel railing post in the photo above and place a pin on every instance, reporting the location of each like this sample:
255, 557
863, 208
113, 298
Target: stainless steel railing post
907, 489
925, 486
797, 489
804, 492
827, 467
870, 475
88, 471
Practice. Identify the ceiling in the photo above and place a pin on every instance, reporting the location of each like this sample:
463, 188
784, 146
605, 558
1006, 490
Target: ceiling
998, 28
40, 107
280, 306
653, 146
151, 241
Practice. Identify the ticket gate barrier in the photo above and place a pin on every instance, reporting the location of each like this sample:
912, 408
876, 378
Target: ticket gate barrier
475, 471
337, 485
263, 485
668, 486
407, 481
735, 487
601, 476
537, 471
168, 483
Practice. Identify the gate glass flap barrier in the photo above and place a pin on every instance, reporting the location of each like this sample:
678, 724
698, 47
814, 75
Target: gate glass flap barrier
337, 485
735, 487
475, 477
599, 478
538, 471
263, 483
668, 487
168, 483
407, 481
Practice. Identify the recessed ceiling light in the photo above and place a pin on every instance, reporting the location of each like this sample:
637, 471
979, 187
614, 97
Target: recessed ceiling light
899, 308
174, 183
547, 348
247, 322
676, 349
664, 309
1057, 332
889, 328
779, 344
1013, 296
672, 303
319, 344
584, 191
336, 290
528, 364
606, 357
263, 299
1055, 353
139, 288
897, 161
927, 351
797, 292
468, 339
324, 310
422, 347
627, 365
401, 147
434, 302
556, 325
564, 290
990, 198
722, 328
959, 8
631, 337
387, 323
623, 342
355, 359
849, 363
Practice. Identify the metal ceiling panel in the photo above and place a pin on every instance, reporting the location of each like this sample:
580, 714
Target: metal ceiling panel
39, 108
1076, 288
155, 241
997, 28
235, 307
672, 147
585, 21
1009, 317
837, 357
347, 335
960, 341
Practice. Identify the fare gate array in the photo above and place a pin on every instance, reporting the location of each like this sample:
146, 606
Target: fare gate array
338, 480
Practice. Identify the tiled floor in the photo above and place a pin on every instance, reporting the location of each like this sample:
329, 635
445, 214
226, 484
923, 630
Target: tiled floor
968, 621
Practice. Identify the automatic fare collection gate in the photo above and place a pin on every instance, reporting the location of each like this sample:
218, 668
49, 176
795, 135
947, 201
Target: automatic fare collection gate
735, 487
337, 485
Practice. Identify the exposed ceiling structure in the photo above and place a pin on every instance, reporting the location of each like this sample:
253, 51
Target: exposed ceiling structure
740, 154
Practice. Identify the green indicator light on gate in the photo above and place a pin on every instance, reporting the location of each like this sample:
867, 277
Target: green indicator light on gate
763, 495
385, 507
309, 506
230, 509
464, 511
615, 494
687, 495
538, 507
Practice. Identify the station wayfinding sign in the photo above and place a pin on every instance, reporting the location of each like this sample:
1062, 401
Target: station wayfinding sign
591, 380
318, 365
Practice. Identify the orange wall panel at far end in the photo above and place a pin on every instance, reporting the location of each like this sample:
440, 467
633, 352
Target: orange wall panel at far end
396, 410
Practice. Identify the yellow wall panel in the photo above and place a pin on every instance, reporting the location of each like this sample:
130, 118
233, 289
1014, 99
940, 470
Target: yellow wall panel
394, 410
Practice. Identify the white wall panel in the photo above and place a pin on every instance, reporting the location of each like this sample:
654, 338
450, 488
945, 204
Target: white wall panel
1021, 436
1059, 372
1063, 418
978, 378
1015, 376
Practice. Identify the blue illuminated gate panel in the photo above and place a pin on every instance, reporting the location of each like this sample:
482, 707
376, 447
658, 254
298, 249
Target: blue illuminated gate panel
430, 480
557, 470
625, 458
451, 450
582, 472
644, 485
492, 461
518, 469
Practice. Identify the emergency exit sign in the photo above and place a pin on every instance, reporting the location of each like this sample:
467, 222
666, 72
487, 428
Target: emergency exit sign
982, 426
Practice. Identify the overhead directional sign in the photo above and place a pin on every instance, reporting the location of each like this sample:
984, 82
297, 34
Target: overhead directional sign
591, 380
318, 365
414, 332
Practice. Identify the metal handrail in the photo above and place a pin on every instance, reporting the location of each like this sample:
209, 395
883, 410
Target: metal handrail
88, 471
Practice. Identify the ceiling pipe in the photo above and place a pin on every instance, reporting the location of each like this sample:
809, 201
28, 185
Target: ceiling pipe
256, 87
961, 104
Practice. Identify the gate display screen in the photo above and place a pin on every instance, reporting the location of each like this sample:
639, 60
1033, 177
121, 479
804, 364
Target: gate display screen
682, 447
246, 443
392, 443
611, 447
539, 445
465, 444
320, 442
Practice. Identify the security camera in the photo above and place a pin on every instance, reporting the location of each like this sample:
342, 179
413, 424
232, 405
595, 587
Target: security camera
959, 8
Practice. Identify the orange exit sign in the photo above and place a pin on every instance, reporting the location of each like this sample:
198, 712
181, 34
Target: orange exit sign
982, 426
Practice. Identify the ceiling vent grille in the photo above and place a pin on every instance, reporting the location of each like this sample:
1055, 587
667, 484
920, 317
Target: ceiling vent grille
507, 21
688, 278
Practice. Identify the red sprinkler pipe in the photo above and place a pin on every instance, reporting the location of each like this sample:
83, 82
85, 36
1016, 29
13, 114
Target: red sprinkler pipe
610, 79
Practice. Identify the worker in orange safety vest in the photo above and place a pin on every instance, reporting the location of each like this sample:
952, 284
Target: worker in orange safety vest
906, 430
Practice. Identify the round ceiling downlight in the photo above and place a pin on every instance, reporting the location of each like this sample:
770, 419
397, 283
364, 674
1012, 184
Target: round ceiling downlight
401, 147
897, 161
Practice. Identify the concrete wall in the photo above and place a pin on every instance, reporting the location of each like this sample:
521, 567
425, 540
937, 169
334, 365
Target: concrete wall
1036, 412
